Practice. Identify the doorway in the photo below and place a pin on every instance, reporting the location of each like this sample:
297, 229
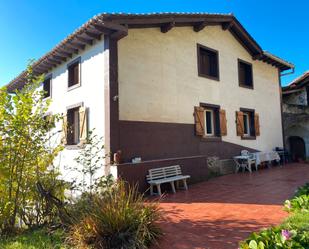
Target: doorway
297, 148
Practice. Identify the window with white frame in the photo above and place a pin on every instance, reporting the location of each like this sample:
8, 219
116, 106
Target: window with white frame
209, 122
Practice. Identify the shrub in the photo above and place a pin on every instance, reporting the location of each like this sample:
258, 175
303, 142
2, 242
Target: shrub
303, 190
119, 218
299, 203
298, 221
277, 238
26, 156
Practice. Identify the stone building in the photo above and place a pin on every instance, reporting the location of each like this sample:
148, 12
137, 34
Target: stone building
295, 98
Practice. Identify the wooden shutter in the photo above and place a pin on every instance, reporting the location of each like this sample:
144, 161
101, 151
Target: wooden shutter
64, 130
257, 124
223, 126
199, 117
240, 123
83, 126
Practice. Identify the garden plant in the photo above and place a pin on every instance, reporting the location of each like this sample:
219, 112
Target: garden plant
26, 157
293, 233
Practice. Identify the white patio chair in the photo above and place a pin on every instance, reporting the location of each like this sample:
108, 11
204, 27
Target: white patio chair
251, 159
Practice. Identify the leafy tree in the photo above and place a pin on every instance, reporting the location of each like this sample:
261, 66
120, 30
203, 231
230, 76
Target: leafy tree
26, 156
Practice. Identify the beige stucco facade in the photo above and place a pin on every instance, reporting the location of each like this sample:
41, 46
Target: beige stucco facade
159, 82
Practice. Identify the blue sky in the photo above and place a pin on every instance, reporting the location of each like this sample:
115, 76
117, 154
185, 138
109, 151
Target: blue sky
31, 28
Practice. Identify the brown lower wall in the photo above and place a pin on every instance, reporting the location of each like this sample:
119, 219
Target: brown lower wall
196, 167
154, 140
166, 144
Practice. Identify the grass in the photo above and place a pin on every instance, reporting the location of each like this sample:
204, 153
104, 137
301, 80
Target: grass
38, 239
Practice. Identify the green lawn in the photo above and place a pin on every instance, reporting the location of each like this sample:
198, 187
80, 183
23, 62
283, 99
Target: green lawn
38, 239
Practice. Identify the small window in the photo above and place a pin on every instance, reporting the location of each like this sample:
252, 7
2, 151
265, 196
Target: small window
248, 119
208, 62
73, 129
245, 74
246, 124
74, 73
47, 87
209, 122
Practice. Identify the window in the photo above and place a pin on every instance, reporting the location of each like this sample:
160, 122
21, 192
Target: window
209, 122
248, 122
245, 74
73, 126
208, 62
74, 73
47, 87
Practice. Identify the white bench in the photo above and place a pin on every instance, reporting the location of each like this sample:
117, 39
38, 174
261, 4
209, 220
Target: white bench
170, 174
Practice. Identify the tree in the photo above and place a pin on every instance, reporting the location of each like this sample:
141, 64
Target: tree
26, 155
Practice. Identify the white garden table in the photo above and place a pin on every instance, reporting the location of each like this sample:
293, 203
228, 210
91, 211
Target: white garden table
268, 156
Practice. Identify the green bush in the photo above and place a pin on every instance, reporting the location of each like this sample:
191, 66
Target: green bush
303, 190
27, 156
117, 218
298, 221
277, 238
299, 203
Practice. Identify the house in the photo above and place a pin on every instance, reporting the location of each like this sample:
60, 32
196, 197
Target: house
295, 99
169, 88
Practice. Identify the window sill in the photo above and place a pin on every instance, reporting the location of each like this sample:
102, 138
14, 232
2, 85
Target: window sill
209, 77
248, 137
211, 139
246, 86
74, 87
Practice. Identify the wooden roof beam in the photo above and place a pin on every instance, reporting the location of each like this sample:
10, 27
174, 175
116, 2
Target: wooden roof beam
71, 49
105, 27
49, 64
200, 26
65, 53
77, 45
93, 35
101, 29
41, 69
257, 57
84, 40
58, 57
55, 61
167, 27
227, 25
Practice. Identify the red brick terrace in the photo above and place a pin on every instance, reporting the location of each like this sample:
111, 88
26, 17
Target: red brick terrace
218, 213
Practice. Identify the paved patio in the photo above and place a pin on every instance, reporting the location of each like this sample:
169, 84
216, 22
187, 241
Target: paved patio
222, 211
